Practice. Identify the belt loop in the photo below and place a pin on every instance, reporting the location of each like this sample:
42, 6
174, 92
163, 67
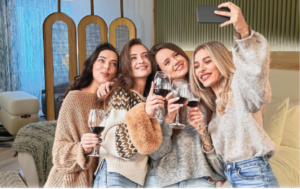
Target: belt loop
234, 165
266, 160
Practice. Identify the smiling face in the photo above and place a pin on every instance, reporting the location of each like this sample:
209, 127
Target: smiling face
206, 70
173, 63
105, 67
140, 63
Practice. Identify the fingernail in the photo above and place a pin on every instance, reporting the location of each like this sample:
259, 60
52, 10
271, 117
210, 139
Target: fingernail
100, 140
196, 108
177, 97
97, 144
216, 11
97, 136
181, 105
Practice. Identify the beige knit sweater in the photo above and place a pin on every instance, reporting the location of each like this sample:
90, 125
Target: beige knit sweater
72, 169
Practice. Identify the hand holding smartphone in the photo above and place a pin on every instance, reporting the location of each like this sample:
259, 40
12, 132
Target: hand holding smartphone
206, 14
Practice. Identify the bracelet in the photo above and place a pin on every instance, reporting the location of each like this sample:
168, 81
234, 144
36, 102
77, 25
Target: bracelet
201, 126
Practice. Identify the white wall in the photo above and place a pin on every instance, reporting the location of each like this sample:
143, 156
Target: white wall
140, 12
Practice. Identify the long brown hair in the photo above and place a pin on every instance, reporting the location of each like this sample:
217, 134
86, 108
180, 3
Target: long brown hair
86, 77
154, 50
125, 80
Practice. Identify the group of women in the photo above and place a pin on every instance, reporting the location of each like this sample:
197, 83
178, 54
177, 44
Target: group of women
140, 151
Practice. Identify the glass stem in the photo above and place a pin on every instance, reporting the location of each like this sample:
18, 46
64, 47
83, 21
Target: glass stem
95, 151
177, 118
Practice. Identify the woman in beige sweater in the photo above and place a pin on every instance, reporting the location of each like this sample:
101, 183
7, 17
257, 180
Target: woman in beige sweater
73, 140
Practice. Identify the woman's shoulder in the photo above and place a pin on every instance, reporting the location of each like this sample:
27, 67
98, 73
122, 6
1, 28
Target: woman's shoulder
77, 96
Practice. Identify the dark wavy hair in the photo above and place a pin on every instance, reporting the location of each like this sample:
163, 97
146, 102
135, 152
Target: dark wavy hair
86, 77
154, 50
125, 80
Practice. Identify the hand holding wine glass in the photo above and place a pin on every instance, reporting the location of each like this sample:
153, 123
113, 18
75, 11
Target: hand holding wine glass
96, 124
195, 117
153, 102
161, 88
179, 90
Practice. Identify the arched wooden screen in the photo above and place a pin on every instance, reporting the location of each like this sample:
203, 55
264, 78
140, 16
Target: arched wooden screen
119, 30
87, 26
48, 53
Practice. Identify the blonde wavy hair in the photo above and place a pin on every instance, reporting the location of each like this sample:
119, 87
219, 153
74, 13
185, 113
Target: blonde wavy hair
222, 58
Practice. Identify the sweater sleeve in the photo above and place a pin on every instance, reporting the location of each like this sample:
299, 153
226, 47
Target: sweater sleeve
145, 133
251, 57
214, 161
166, 145
68, 154
137, 134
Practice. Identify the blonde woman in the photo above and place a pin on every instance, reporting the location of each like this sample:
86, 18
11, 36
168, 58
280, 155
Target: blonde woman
236, 88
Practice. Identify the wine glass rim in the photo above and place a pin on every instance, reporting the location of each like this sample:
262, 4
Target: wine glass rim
180, 80
162, 72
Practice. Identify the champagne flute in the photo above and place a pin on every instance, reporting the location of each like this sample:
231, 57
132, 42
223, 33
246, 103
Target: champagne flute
179, 89
96, 124
162, 87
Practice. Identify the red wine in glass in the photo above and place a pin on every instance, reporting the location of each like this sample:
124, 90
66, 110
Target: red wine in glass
97, 129
193, 103
161, 92
181, 100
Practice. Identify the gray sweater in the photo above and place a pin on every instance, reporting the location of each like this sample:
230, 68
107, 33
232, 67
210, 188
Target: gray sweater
181, 157
238, 134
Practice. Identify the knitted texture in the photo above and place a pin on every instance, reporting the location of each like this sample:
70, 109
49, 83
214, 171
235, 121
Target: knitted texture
72, 168
37, 140
117, 138
146, 133
124, 145
181, 157
238, 134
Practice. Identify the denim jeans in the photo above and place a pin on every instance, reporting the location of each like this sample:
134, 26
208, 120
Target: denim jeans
151, 182
105, 179
251, 173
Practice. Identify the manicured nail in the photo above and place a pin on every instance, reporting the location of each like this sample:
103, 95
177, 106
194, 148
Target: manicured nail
97, 144
97, 136
100, 140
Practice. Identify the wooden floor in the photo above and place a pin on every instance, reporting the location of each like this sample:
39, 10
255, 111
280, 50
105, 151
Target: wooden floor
7, 160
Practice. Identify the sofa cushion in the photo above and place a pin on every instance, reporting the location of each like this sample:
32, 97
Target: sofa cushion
19, 103
290, 135
274, 118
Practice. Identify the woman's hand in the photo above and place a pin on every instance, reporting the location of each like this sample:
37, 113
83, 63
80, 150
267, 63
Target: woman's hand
104, 88
236, 18
153, 102
172, 108
195, 117
89, 141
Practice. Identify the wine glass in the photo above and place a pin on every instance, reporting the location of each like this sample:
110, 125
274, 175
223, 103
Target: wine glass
162, 87
96, 124
193, 101
179, 89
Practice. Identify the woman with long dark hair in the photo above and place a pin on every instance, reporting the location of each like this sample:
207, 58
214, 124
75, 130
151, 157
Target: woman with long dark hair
236, 87
129, 136
72, 168
180, 161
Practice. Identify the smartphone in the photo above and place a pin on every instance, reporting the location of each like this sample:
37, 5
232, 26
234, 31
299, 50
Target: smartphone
206, 14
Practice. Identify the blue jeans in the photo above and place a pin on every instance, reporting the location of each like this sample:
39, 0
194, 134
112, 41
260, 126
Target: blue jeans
251, 173
151, 182
105, 179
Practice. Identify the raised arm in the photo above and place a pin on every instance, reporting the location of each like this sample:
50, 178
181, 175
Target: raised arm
251, 57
